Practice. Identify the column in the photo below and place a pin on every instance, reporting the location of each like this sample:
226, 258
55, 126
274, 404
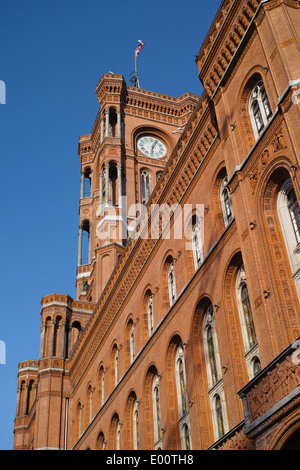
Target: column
106, 185
52, 337
35, 391
79, 246
119, 185
119, 124
63, 335
18, 401
42, 343
107, 123
82, 186
26, 399
69, 340
102, 131
100, 190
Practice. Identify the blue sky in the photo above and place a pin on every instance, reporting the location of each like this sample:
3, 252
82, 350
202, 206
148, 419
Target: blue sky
53, 53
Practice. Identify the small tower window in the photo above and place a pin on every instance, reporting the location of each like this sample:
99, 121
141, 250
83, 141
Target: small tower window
87, 182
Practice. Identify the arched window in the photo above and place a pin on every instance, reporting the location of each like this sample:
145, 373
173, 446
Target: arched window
102, 383
182, 397
112, 122
132, 343
79, 418
171, 283
135, 426
118, 436
289, 216
226, 202
211, 354
85, 243
145, 186
150, 314
116, 364
246, 317
219, 415
101, 441
87, 182
90, 404
196, 242
186, 438
113, 184
211, 347
181, 382
214, 370
256, 366
158, 176
294, 211
259, 108
156, 410
246, 320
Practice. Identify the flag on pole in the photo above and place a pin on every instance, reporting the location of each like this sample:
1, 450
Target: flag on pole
139, 48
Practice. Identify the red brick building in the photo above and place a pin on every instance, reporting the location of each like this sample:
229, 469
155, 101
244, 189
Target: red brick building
184, 332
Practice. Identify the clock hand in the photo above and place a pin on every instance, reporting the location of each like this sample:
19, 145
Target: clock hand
152, 146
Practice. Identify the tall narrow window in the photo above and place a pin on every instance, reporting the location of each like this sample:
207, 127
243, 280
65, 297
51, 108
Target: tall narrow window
214, 373
156, 409
145, 186
219, 414
226, 202
186, 437
135, 425
259, 108
118, 436
116, 366
289, 216
196, 242
248, 315
181, 382
212, 354
171, 283
85, 243
87, 183
182, 397
150, 314
246, 321
102, 375
294, 211
132, 343
210, 347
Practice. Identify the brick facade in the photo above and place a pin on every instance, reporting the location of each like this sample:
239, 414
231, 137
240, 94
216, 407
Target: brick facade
105, 377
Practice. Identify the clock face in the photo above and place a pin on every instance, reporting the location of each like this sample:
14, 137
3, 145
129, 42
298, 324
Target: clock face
151, 147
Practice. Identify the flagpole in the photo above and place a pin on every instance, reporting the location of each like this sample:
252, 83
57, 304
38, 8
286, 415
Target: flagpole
134, 76
136, 72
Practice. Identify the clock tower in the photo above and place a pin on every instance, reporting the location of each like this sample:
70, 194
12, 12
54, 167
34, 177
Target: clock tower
122, 160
